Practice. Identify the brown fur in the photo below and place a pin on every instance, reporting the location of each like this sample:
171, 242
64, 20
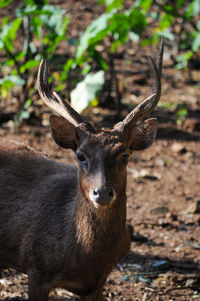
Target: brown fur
50, 228
47, 228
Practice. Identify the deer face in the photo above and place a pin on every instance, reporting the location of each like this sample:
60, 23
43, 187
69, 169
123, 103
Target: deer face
99, 167
102, 155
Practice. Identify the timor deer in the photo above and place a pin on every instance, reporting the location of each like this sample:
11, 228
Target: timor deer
66, 226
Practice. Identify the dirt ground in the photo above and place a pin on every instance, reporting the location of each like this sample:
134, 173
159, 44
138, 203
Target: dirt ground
163, 188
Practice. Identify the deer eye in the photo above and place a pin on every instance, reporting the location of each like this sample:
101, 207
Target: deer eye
81, 158
124, 158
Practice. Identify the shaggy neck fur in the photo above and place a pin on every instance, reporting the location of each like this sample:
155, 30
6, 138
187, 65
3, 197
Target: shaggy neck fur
95, 225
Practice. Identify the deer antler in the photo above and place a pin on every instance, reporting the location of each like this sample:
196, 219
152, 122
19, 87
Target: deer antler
149, 104
53, 100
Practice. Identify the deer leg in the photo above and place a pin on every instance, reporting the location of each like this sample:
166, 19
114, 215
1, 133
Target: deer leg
38, 289
94, 296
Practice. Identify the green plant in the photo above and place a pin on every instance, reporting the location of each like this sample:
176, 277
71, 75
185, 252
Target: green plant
181, 113
179, 20
88, 89
173, 19
24, 113
116, 25
35, 32
38, 28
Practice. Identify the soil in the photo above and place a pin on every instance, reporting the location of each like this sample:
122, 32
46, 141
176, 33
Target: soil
163, 191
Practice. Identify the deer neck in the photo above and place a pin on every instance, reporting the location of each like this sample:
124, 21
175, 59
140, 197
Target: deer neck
98, 226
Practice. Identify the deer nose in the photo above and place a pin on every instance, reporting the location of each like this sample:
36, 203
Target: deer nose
103, 195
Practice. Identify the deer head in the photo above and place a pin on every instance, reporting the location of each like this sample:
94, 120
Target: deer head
102, 154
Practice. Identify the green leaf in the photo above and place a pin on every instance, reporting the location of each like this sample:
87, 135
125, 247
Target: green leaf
137, 21
6, 85
19, 55
3, 3
119, 26
28, 104
183, 60
196, 43
24, 114
13, 79
145, 4
55, 23
36, 10
113, 5
165, 33
86, 69
134, 37
100, 61
87, 91
52, 44
198, 25
179, 3
10, 29
168, 106
54, 9
8, 33
4, 21
192, 9
30, 2
1, 44
171, 10
182, 112
29, 65
60, 87
184, 57
68, 65
37, 26
29, 9
94, 33
166, 21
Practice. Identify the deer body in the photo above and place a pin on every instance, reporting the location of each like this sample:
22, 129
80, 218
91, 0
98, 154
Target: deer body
35, 244
65, 226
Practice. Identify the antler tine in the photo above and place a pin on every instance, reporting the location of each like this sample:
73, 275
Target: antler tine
149, 104
160, 55
159, 67
53, 100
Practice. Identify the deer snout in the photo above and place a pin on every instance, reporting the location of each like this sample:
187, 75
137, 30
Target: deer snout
103, 195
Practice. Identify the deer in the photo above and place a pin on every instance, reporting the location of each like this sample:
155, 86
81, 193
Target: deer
65, 225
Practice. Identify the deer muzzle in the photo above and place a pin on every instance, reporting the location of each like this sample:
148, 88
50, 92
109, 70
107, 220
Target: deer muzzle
102, 195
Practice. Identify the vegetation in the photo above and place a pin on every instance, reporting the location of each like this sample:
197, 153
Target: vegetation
38, 27
34, 33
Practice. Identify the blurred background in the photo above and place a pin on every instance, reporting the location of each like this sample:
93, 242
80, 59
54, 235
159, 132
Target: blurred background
98, 58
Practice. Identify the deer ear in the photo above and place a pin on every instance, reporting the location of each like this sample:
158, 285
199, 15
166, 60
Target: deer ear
63, 132
143, 135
